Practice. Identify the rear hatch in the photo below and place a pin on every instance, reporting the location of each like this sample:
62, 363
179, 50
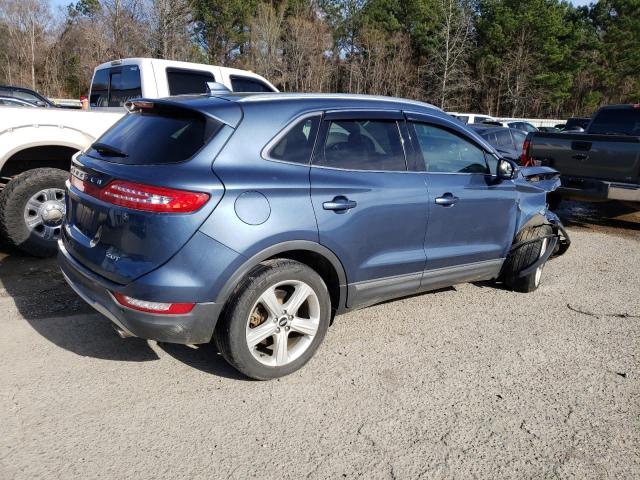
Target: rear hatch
143, 189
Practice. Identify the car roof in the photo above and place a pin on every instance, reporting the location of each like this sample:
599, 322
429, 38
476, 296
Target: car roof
230, 107
210, 104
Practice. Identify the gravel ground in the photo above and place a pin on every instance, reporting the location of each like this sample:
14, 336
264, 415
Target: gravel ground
468, 382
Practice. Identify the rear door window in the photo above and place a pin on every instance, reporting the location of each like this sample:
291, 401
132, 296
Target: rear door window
297, 143
503, 139
446, 152
363, 145
518, 138
182, 81
152, 138
247, 84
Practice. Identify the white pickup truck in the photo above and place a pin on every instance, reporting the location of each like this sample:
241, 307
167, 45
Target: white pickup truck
36, 144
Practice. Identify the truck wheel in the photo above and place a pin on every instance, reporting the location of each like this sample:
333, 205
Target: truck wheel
32, 209
525, 256
275, 321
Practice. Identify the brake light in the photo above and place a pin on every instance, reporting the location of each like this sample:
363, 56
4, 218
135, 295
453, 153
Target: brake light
153, 199
148, 198
153, 307
525, 158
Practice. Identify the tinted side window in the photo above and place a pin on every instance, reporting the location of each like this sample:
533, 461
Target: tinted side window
503, 138
518, 138
183, 81
125, 85
100, 89
446, 152
246, 84
297, 144
363, 145
28, 97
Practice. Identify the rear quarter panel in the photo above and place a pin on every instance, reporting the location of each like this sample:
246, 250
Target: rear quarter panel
265, 202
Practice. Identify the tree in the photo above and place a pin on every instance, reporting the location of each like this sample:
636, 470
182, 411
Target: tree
170, 24
221, 27
26, 23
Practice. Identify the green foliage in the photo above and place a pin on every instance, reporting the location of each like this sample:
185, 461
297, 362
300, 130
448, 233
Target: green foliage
221, 27
513, 57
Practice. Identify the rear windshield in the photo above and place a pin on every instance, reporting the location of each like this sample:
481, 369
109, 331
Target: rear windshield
113, 87
149, 138
616, 121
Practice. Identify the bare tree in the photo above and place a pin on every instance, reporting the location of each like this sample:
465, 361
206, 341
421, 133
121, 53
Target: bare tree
170, 21
265, 42
26, 23
307, 42
449, 67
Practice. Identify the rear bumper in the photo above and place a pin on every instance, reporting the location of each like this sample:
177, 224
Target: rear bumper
195, 327
599, 189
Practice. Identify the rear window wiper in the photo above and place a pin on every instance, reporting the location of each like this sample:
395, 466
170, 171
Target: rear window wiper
108, 150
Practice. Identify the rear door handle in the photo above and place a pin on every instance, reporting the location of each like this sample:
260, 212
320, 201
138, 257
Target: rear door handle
339, 204
579, 156
447, 200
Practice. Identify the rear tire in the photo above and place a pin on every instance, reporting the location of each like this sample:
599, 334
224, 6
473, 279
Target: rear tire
525, 256
32, 210
258, 336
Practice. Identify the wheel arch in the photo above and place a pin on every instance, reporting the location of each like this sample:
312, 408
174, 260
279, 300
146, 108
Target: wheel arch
38, 155
312, 254
534, 220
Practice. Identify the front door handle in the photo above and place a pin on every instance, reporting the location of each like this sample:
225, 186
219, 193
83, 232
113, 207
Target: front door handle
579, 156
447, 200
339, 204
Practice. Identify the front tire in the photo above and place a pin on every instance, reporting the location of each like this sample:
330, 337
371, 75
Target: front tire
524, 256
275, 320
32, 209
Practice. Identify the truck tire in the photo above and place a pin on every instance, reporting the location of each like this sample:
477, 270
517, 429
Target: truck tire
32, 209
524, 256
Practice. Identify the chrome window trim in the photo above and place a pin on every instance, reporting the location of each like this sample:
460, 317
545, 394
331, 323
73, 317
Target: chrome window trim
266, 150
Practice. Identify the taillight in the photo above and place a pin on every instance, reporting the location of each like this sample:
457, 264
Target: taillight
525, 158
139, 196
153, 307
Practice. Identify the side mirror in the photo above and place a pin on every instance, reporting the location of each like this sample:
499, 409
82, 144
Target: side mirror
506, 169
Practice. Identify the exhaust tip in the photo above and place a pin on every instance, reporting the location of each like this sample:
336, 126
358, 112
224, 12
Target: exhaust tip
122, 333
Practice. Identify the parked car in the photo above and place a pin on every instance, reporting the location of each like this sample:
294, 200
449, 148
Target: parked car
470, 118
25, 94
507, 141
515, 124
36, 146
254, 219
576, 123
601, 164
15, 102
549, 129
